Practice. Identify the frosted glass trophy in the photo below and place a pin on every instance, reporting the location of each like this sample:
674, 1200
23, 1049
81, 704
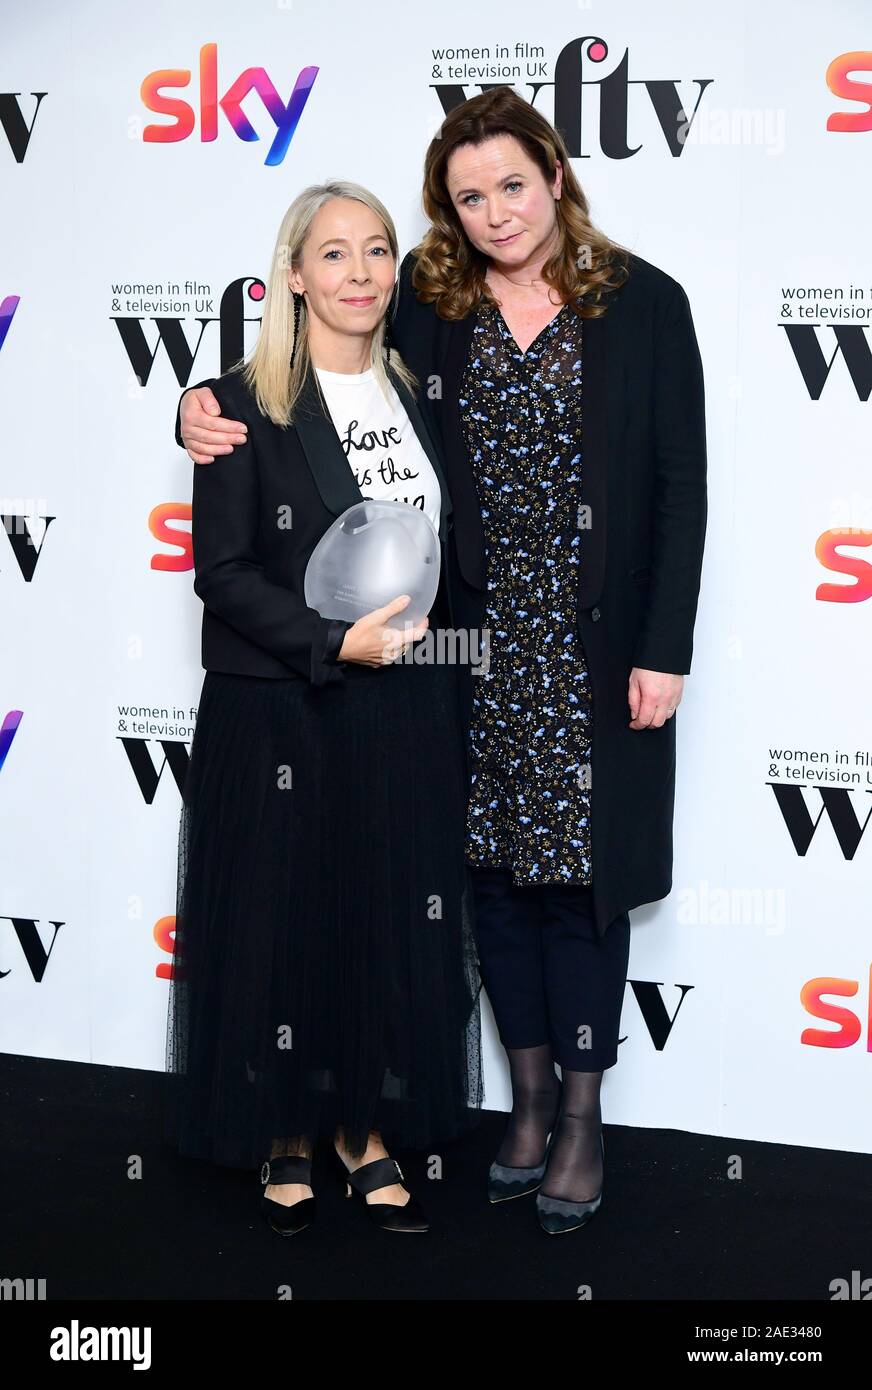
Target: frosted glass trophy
371, 554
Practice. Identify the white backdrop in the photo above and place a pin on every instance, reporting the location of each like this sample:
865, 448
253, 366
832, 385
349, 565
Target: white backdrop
749, 1006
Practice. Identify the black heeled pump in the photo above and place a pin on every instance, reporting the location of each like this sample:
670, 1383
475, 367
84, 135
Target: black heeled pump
382, 1172
558, 1215
287, 1221
505, 1183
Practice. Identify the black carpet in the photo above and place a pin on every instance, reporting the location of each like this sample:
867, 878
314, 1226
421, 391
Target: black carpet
673, 1225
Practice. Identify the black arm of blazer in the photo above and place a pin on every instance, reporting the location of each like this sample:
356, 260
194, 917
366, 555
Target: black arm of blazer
229, 577
665, 639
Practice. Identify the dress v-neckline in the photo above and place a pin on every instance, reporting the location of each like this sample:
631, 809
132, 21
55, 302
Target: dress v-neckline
523, 351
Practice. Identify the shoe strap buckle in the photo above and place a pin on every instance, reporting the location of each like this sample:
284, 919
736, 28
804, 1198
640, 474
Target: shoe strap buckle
264, 1172
399, 1170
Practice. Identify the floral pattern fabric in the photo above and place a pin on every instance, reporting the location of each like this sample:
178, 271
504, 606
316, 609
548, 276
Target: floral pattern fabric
530, 737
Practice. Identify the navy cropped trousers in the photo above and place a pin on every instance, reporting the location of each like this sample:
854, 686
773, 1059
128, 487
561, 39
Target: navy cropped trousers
548, 975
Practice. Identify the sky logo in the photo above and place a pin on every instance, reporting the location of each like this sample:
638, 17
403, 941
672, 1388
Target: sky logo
841, 84
286, 117
7, 312
8, 730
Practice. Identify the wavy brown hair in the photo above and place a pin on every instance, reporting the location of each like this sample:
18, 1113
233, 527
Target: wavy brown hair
450, 271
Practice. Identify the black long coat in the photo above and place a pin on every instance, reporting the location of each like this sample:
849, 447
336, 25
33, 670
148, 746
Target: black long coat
643, 467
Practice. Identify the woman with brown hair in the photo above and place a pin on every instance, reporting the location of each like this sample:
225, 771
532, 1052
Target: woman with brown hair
563, 375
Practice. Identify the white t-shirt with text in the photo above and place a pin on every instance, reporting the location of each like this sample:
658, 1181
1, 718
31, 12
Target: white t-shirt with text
379, 442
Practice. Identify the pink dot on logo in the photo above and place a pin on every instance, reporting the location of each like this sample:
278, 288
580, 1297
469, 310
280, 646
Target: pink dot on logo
255, 291
596, 52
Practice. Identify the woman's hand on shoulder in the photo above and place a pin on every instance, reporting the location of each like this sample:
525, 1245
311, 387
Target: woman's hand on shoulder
371, 643
205, 431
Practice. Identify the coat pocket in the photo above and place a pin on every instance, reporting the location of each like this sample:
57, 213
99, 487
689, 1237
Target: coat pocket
642, 575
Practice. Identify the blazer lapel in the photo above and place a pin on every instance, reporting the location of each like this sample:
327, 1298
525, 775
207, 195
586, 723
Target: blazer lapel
324, 453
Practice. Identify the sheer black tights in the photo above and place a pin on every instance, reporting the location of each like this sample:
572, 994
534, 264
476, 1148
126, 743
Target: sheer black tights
535, 1098
575, 1170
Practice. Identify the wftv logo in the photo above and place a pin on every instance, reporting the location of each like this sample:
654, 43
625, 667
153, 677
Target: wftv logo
231, 319
36, 957
286, 117
16, 524
851, 345
614, 96
148, 777
15, 127
838, 808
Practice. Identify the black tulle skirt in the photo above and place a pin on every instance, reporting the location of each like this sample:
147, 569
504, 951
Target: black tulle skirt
325, 974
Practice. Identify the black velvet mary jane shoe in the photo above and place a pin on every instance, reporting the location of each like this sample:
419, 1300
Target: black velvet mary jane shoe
287, 1221
383, 1172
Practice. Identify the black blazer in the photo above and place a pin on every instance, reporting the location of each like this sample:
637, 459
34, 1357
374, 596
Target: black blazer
257, 515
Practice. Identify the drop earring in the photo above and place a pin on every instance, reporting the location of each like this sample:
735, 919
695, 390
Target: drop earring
297, 301
388, 337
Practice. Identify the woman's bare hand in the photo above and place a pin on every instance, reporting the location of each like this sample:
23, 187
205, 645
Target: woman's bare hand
205, 431
653, 696
371, 643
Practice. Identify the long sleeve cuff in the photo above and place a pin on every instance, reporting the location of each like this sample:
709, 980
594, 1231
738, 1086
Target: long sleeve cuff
335, 637
326, 666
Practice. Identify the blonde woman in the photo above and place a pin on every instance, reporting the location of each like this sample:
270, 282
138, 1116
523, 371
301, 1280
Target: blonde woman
326, 981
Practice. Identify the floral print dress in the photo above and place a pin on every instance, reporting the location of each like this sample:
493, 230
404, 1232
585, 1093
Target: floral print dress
530, 736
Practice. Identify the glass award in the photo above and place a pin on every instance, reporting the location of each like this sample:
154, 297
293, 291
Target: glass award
374, 552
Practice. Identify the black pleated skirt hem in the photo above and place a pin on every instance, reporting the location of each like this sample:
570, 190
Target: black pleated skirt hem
325, 975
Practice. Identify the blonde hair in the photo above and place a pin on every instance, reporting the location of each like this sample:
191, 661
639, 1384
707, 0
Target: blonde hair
450, 272
276, 382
